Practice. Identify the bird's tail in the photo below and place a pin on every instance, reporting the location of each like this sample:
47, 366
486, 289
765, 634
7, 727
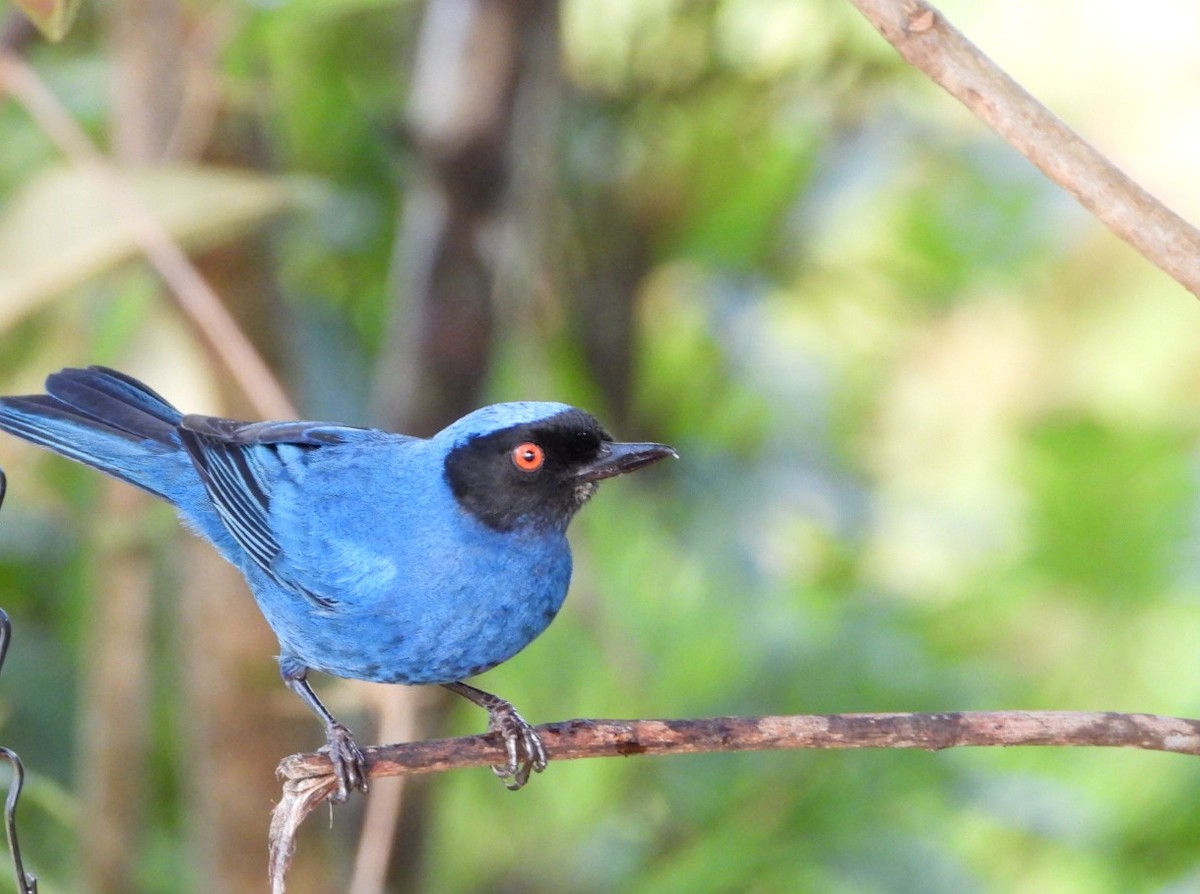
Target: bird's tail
107, 420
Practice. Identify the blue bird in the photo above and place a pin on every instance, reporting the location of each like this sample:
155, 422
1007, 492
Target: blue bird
373, 556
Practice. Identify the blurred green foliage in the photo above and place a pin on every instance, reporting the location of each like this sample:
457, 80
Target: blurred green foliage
938, 453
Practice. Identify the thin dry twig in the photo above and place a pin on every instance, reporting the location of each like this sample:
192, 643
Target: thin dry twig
308, 778
926, 40
195, 296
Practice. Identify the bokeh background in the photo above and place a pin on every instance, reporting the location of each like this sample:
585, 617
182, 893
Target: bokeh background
938, 431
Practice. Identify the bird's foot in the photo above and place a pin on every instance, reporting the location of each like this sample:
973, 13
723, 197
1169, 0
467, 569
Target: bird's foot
526, 754
522, 744
349, 765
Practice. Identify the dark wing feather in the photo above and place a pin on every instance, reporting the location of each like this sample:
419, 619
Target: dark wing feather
236, 460
237, 493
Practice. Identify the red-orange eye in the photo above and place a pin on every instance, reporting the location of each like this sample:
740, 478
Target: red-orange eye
528, 457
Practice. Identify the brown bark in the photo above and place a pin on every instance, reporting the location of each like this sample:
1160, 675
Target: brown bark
115, 717
472, 59
575, 739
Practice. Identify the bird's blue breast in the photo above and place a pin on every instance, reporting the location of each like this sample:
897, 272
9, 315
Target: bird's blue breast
386, 578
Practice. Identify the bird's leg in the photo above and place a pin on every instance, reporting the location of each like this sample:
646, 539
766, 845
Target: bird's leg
349, 765
526, 753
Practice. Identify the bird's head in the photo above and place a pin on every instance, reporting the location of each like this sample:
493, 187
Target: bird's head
534, 464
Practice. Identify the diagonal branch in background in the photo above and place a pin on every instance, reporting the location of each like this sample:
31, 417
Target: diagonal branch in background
194, 295
308, 778
925, 39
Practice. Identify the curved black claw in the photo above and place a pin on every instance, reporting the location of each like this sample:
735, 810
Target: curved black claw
526, 753
349, 765
522, 744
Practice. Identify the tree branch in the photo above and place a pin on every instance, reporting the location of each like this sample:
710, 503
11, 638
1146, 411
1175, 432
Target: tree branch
308, 778
926, 40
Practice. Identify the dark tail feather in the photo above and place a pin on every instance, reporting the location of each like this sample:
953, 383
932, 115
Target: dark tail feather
105, 419
116, 401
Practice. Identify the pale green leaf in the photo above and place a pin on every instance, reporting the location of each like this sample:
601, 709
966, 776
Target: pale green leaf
52, 17
64, 227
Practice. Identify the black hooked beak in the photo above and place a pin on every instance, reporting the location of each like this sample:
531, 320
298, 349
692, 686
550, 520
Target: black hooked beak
617, 459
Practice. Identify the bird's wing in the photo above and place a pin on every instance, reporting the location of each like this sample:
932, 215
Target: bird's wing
239, 463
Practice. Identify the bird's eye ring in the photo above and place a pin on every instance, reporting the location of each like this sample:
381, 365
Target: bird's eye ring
528, 457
